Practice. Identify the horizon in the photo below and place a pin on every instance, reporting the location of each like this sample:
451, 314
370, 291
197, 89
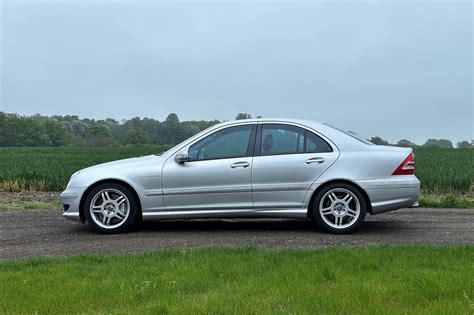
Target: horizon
397, 70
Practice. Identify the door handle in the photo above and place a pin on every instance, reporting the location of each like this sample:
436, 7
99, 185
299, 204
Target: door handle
242, 164
318, 160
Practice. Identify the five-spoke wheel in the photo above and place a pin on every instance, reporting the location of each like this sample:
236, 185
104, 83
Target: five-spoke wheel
339, 208
110, 208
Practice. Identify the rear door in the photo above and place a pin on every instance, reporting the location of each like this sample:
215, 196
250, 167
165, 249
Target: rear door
287, 160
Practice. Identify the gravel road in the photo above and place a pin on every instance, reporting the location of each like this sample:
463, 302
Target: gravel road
47, 233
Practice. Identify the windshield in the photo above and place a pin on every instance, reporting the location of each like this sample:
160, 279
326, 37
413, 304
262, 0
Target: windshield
353, 135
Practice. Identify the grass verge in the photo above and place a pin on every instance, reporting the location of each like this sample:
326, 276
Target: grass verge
16, 205
29, 200
447, 201
386, 279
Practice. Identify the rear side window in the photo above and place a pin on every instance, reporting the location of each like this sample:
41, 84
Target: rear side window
286, 139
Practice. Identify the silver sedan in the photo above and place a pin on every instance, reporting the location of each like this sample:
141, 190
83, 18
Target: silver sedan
249, 168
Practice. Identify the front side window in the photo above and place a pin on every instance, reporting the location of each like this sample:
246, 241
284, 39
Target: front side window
226, 143
285, 139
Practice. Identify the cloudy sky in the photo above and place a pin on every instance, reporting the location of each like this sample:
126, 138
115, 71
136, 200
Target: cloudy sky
396, 69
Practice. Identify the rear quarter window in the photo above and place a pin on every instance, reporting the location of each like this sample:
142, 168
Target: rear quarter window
316, 144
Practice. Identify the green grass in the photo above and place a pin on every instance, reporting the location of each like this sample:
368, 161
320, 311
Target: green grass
48, 169
371, 280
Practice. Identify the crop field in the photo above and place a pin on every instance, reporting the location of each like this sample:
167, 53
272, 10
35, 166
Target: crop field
49, 169
445, 170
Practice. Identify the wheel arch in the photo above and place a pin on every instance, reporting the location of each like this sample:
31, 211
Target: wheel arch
334, 181
103, 181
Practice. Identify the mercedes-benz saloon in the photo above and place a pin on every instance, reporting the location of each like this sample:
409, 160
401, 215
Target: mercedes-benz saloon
249, 168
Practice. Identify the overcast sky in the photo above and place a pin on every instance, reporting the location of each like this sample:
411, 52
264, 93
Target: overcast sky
393, 69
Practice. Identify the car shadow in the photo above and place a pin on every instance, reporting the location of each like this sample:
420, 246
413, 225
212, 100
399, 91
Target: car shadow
255, 225
228, 225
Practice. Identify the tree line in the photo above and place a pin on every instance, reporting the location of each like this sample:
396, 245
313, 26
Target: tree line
440, 143
42, 131
70, 130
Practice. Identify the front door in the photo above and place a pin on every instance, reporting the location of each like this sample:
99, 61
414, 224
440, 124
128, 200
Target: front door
218, 175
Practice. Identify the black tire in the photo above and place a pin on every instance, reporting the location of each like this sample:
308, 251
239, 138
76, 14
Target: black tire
355, 224
125, 224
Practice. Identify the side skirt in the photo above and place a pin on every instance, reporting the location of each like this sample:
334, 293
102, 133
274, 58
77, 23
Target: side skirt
296, 213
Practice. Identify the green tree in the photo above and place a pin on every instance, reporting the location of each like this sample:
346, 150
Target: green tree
379, 141
465, 145
137, 136
56, 132
243, 116
172, 119
440, 143
21, 131
97, 129
406, 143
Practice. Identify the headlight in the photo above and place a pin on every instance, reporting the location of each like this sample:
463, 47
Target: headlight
72, 177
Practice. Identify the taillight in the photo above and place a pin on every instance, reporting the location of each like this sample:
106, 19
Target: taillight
407, 167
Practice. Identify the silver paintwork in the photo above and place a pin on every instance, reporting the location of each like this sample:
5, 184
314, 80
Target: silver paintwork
255, 186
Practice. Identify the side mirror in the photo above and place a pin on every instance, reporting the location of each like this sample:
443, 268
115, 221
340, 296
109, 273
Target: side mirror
181, 157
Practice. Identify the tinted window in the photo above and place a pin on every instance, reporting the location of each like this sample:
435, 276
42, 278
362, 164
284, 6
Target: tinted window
286, 139
225, 143
316, 144
281, 139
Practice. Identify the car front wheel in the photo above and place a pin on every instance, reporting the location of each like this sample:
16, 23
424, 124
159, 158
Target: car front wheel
339, 209
111, 208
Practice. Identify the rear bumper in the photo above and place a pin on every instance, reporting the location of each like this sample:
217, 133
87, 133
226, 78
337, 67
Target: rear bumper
71, 199
392, 193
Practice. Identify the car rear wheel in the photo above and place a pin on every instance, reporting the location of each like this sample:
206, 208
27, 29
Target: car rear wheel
111, 208
339, 208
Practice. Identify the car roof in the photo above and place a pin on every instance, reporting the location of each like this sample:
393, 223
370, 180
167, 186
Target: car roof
267, 120
336, 136
305, 122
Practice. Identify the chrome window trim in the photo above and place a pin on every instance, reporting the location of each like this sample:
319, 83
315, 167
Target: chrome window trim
187, 144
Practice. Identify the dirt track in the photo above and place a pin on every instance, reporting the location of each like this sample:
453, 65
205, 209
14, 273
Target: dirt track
47, 233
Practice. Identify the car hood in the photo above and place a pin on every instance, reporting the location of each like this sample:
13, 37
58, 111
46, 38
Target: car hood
121, 170
126, 163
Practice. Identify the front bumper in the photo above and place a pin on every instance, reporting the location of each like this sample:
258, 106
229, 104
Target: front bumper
392, 193
71, 199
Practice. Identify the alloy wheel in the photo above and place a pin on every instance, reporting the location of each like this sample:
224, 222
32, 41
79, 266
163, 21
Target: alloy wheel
339, 208
109, 208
